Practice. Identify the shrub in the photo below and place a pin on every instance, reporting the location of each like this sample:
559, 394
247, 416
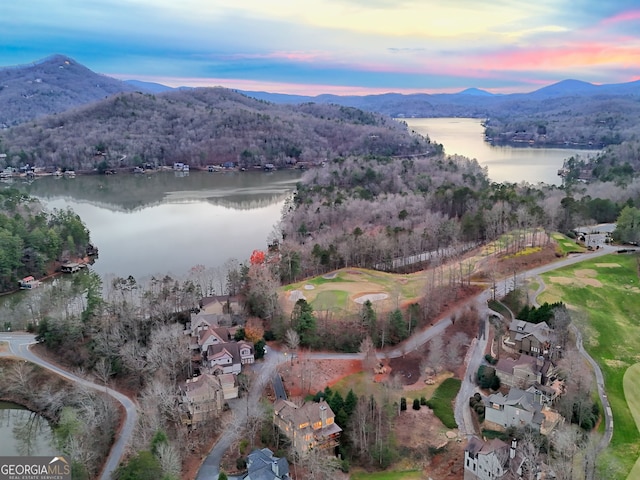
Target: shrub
241, 463
423, 401
416, 404
403, 404
490, 359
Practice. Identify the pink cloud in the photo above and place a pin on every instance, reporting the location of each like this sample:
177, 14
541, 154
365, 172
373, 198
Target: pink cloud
280, 55
627, 16
564, 58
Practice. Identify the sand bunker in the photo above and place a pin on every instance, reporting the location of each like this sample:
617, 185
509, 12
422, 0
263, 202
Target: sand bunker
330, 276
586, 272
296, 295
607, 265
372, 297
592, 282
309, 287
561, 280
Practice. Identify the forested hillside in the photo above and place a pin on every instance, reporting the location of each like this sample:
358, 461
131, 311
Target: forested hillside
31, 239
201, 127
51, 85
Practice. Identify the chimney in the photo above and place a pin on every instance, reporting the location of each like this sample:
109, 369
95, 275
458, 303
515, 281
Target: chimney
323, 415
512, 450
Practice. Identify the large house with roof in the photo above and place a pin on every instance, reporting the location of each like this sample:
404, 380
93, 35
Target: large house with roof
229, 357
523, 371
310, 426
520, 408
201, 399
535, 339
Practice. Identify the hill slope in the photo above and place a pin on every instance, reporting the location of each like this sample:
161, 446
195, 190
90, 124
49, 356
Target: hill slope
52, 85
203, 126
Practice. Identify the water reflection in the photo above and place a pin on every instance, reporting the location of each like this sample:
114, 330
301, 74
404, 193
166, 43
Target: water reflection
160, 224
24, 432
127, 192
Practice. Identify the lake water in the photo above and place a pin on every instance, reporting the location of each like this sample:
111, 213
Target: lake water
465, 136
23, 432
163, 223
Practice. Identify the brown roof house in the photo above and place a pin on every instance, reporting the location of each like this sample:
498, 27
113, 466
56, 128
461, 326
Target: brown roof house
310, 426
229, 357
523, 371
201, 399
533, 339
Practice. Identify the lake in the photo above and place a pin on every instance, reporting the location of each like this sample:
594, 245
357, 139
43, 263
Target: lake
167, 223
24, 432
465, 136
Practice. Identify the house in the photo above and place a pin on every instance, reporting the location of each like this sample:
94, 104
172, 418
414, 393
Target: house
220, 304
523, 371
488, 460
229, 357
201, 398
310, 426
262, 465
495, 460
520, 408
533, 339
211, 336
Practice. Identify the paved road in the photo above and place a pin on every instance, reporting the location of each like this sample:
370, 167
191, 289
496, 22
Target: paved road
608, 414
474, 359
264, 372
19, 344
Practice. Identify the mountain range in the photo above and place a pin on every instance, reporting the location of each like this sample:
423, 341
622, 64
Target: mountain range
570, 111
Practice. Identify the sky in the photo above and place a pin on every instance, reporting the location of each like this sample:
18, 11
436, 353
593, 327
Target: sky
309, 47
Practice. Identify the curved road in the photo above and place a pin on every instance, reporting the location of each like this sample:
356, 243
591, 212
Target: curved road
19, 347
476, 355
209, 470
608, 414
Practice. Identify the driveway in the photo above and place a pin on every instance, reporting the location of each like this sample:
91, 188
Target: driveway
19, 344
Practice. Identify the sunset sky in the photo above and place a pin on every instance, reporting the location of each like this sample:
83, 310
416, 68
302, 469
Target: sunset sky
333, 46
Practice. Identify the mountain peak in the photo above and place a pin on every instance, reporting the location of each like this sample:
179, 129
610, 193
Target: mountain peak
475, 91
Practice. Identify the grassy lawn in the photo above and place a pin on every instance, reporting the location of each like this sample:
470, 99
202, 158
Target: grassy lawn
565, 245
607, 290
405, 475
330, 300
631, 384
362, 384
442, 401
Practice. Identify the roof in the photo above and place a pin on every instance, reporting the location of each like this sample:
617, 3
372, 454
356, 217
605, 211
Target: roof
508, 364
520, 399
231, 348
198, 385
261, 465
522, 329
310, 412
476, 446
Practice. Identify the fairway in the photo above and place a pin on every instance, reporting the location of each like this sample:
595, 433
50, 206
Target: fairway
344, 291
606, 290
632, 393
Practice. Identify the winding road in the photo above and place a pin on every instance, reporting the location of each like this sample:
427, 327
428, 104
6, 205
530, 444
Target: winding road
476, 355
19, 344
